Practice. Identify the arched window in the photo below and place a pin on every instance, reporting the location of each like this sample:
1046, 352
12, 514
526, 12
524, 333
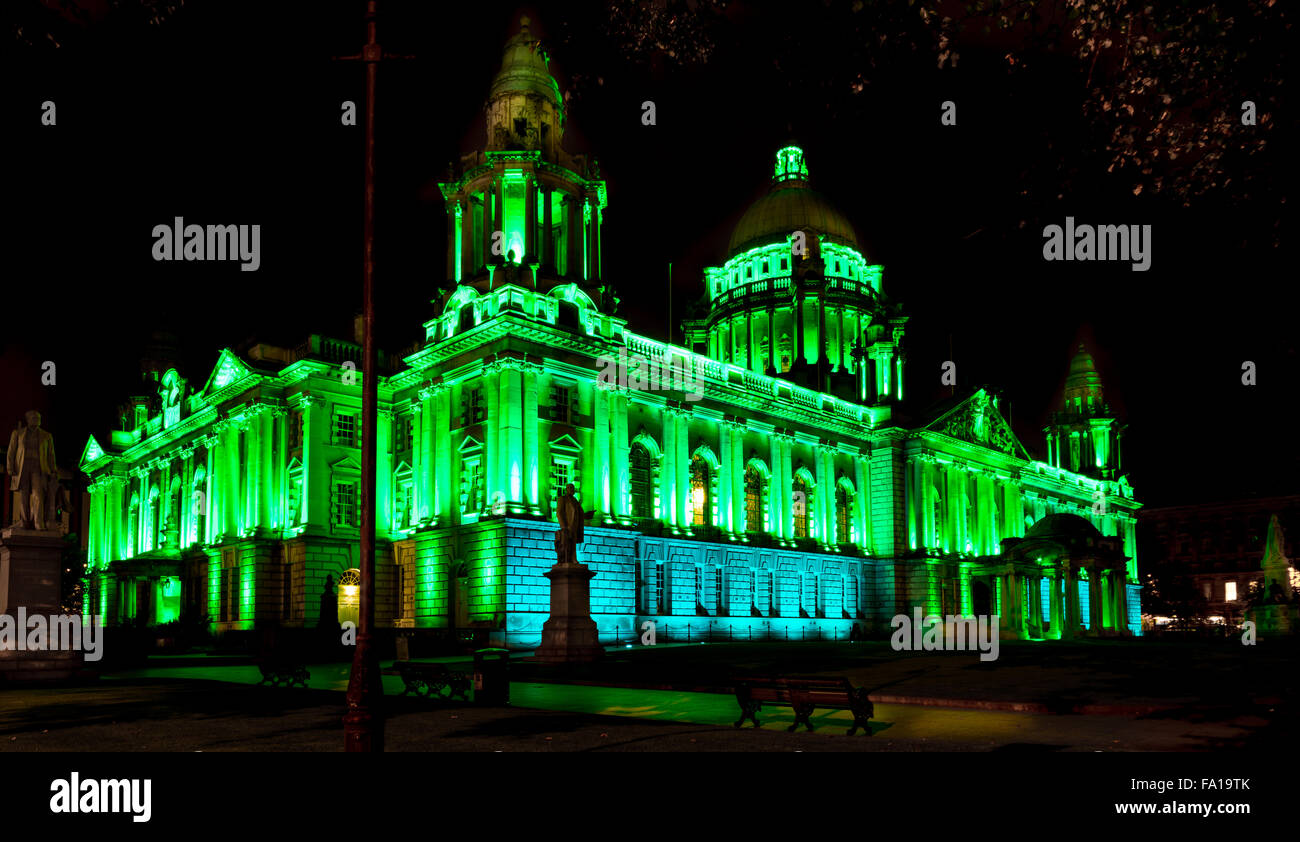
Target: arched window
701, 496
843, 518
198, 499
800, 505
155, 520
754, 492
642, 471
132, 526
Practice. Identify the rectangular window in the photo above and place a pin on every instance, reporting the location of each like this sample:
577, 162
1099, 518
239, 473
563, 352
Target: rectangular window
1230, 591
659, 588
474, 492
472, 407
562, 404
295, 430
345, 505
561, 475
347, 428
403, 434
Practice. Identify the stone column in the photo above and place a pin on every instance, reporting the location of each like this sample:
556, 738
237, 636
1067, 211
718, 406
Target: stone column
726, 514
1036, 606
574, 210
467, 266
530, 222
825, 479
772, 341
548, 230
511, 433
749, 339
862, 486
451, 208
266, 496
532, 463
737, 477
1119, 580
787, 483
668, 490
1095, 599
683, 467
494, 469
592, 218
487, 228
1070, 597
444, 493
779, 491
600, 453
499, 220
1057, 615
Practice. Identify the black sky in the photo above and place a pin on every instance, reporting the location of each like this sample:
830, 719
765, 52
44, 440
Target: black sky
229, 113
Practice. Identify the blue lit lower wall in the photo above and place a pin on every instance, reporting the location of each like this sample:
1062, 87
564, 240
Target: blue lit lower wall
1133, 601
690, 590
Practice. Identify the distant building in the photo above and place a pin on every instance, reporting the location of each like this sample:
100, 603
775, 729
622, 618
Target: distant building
1219, 546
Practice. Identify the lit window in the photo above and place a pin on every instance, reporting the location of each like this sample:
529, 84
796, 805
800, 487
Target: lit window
754, 491
1230, 591
701, 492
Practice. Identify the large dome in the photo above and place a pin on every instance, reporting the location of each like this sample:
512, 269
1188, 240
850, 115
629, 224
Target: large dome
789, 206
524, 68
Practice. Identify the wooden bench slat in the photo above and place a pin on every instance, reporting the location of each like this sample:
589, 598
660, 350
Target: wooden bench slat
803, 695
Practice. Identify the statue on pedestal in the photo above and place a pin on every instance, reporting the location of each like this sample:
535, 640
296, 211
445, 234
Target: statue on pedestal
33, 475
569, 535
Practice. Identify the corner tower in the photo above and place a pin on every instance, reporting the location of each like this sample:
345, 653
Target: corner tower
520, 209
1085, 436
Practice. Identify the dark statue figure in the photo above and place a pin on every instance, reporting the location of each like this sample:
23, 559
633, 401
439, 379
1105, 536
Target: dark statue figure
569, 535
329, 605
33, 475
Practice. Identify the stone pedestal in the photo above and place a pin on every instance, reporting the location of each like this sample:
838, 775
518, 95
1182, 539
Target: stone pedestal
31, 565
569, 636
1273, 619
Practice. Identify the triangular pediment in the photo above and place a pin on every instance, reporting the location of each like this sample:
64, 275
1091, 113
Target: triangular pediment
470, 444
978, 421
566, 442
346, 464
91, 452
229, 369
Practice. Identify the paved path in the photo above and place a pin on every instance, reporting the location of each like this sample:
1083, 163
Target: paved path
216, 709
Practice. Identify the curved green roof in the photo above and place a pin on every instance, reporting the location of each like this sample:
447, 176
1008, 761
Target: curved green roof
523, 68
789, 206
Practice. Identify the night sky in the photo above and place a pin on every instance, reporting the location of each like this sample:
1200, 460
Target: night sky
228, 113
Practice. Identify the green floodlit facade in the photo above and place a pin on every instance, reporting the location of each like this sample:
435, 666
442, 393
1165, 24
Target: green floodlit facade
758, 482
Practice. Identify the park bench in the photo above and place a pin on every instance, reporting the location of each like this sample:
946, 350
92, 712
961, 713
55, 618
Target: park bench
804, 695
430, 679
279, 671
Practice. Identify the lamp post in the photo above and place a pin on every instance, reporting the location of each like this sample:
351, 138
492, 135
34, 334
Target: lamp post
363, 725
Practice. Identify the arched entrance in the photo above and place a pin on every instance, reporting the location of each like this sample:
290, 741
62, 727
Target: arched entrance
350, 596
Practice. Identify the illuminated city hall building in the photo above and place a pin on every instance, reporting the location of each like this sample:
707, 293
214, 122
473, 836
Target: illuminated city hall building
757, 483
